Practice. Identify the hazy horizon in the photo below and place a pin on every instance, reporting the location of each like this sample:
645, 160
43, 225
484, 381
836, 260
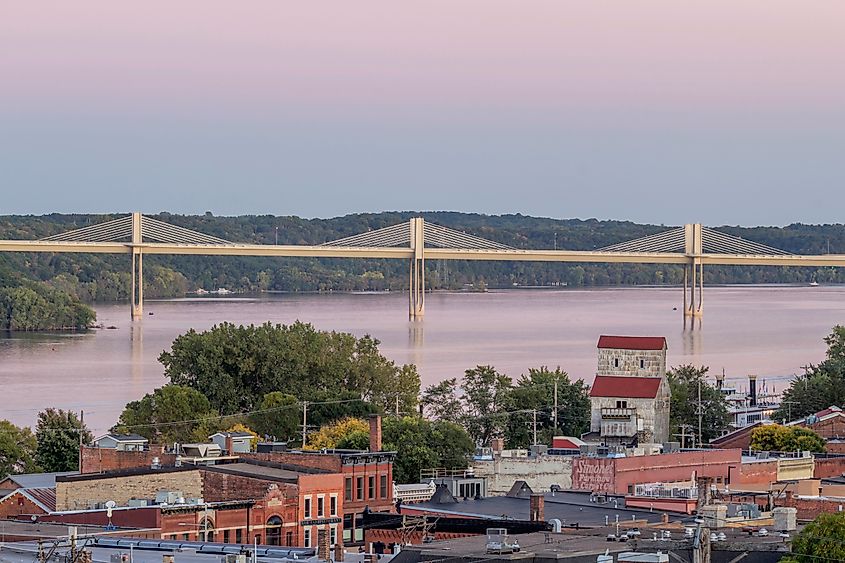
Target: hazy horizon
421, 212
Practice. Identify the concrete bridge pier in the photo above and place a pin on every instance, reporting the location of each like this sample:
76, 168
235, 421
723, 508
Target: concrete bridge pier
136, 297
693, 271
416, 288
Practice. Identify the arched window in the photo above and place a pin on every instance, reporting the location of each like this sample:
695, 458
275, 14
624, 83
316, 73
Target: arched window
206, 530
274, 531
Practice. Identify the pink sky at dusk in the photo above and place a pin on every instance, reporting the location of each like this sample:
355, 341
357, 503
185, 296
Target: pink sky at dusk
611, 109
288, 57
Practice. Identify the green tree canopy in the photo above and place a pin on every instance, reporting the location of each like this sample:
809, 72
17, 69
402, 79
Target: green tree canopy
171, 413
684, 382
486, 399
17, 449
777, 438
59, 434
820, 540
279, 415
535, 391
236, 366
37, 306
821, 386
423, 444
440, 401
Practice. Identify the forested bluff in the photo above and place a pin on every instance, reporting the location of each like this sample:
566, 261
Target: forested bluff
90, 278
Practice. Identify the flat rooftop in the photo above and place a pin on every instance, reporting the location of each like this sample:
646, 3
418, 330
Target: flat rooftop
568, 507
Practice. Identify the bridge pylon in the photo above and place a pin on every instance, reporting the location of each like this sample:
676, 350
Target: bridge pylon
693, 271
416, 288
136, 297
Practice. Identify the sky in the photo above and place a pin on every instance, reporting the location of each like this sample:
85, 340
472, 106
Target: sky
658, 111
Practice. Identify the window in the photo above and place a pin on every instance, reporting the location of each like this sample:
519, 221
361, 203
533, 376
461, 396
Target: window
185, 536
347, 493
307, 537
359, 488
258, 539
348, 521
616, 362
274, 531
383, 486
642, 363
333, 505
289, 539
621, 404
238, 536
210, 537
320, 506
332, 536
308, 507
225, 536
371, 486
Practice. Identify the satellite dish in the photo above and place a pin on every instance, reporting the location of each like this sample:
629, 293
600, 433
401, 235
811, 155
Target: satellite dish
111, 504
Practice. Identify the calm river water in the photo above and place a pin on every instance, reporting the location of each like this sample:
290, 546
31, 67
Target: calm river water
768, 330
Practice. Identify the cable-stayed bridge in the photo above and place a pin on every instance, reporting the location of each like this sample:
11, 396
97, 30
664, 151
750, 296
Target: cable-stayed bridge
416, 241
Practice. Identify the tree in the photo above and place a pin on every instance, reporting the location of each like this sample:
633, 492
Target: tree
236, 366
171, 413
821, 386
58, 434
441, 401
535, 392
820, 540
346, 431
486, 400
777, 438
421, 444
684, 383
279, 415
17, 449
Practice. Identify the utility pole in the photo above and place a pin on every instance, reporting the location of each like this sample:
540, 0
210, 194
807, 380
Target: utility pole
535, 426
554, 412
699, 412
304, 422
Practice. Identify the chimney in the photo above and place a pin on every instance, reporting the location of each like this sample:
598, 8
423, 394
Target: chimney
497, 445
664, 518
752, 390
375, 433
230, 444
537, 507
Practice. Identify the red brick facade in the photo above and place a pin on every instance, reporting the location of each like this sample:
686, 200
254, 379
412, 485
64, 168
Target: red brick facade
100, 460
18, 505
619, 475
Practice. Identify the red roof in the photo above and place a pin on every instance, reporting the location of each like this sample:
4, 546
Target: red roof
625, 387
632, 342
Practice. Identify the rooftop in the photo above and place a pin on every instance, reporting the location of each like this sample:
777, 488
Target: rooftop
625, 387
568, 507
38, 480
632, 342
123, 437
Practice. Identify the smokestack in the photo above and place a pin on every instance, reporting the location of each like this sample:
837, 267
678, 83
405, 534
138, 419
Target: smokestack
752, 390
720, 380
375, 433
537, 507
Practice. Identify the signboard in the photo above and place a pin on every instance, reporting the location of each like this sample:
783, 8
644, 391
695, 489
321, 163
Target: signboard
593, 474
320, 522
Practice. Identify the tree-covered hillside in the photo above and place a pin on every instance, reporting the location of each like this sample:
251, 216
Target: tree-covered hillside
105, 277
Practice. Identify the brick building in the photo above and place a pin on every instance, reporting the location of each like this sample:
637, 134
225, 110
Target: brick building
367, 475
240, 502
829, 423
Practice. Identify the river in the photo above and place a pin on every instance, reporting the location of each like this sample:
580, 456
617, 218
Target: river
768, 330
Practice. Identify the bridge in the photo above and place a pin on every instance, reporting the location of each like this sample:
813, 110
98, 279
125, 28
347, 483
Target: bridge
692, 246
